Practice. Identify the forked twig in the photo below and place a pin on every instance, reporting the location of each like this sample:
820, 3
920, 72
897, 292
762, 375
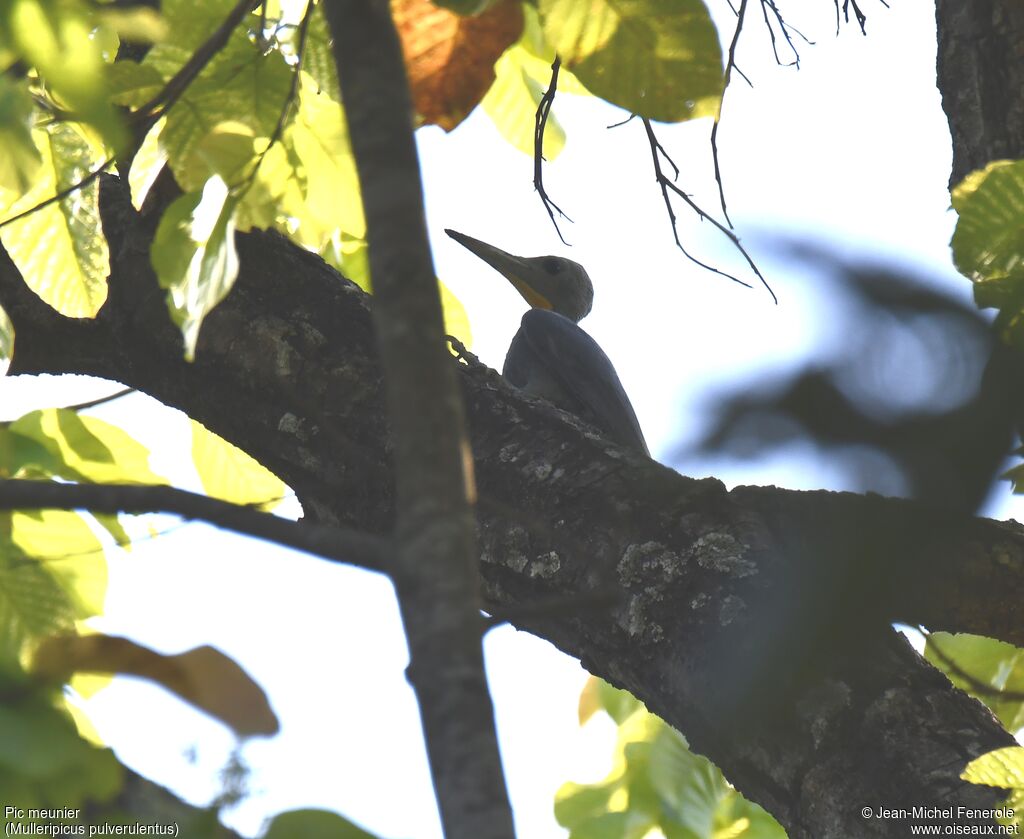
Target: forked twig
657, 153
729, 65
540, 123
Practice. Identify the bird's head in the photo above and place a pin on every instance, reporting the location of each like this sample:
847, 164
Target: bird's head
545, 282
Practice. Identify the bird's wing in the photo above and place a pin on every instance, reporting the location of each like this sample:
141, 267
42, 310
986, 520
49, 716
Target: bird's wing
552, 357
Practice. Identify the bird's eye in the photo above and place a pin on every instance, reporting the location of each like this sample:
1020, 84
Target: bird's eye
552, 265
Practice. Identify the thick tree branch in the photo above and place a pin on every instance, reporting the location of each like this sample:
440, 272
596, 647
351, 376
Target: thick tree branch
341, 544
981, 78
755, 621
435, 568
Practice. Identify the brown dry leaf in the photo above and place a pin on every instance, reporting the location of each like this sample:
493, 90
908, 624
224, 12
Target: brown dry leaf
203, 676
450, 59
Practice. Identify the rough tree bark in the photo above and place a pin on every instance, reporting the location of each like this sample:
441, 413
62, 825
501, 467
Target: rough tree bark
718, 592
980, 75
754, 620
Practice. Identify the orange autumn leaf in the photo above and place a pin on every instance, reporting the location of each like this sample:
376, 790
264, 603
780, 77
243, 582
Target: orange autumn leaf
449, 58
203, 676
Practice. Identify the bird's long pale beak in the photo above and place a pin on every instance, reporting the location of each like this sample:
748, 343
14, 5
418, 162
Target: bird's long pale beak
512, 268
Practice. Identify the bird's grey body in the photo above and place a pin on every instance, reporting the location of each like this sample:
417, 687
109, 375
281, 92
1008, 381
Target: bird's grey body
550, 356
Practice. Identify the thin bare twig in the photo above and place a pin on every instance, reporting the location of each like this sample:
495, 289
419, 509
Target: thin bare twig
729, 64
92, 403
785, 29
64, 193
540, 123
657, 153
861, 17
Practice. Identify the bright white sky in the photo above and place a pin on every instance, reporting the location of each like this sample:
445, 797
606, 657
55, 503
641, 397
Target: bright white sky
851, 151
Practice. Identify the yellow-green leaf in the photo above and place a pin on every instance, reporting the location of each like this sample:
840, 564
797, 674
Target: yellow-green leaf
656, 784
133, 84
20, 160
988, 242
69, 553
138, 24
657, 58
522, 75
1003, 768
55, 37
32, 603
314, 824
45, 763
241, 85
456, 320
511, 103
989, 238
194, 256
6, 341
85, 448
147, 164
58, 249
230, 474
316, 155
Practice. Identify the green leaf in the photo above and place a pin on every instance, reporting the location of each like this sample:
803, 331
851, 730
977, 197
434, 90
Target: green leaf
57, 248
45, 762
6, 341
56, 442
456, 319
985, 661
241, 86
32, 603
657, 58
598, 695
522, 74
512, 100
314, 824
147, 165
55, 37
230, 474
189, 24
576, 804
1003, 768
656, 783
690, 787
84, 448
988, 241
21, 159
138, 24
614, 825
24, 457
133, 84
312, 172
194, 256
318, 59
68, 551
